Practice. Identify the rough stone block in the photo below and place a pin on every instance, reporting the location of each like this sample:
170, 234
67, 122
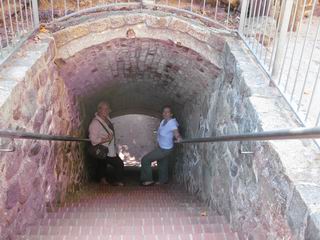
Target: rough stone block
117, 22
38, 119
13, 195
133, 19
13, 165
16, 73
297, 214
157, 22
216, 41
29, 107
312, 230
26, 178
199, 33
35, 149
99, 26
179, 25
78, 31
69, 34
49, 54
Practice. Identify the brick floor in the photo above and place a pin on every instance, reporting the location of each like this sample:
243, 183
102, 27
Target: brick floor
132, 213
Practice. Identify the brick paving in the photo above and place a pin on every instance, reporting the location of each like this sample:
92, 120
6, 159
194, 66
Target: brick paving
132, 212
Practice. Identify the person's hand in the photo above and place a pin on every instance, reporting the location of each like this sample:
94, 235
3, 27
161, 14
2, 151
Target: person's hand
107, 138
179, 139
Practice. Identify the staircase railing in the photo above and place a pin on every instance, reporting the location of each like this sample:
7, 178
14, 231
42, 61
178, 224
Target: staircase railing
284, 36
280, 134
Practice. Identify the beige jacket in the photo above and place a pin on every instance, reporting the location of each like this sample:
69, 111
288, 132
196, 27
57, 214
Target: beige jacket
97, 132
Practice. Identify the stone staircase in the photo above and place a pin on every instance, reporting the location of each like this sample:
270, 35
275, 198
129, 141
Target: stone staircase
132, 212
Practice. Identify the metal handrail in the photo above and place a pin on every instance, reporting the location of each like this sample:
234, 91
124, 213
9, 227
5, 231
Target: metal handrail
280, 134
27, 135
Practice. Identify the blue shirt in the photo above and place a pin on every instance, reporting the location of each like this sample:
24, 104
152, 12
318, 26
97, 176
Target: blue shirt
165, 133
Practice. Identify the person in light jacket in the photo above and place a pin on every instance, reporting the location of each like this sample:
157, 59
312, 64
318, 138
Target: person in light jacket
167, 131
104, 135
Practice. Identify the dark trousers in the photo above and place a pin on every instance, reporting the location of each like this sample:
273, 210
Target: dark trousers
161, 156
112, 175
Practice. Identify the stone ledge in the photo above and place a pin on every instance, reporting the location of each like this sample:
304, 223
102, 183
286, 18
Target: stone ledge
300, 159
312, 230
20, 65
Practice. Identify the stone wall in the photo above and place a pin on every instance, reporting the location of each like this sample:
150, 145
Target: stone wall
261, 192
267, 194
39, 100
39, 173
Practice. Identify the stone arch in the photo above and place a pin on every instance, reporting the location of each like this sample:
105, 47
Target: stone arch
153, 35
152, 25
138, 74
163, 60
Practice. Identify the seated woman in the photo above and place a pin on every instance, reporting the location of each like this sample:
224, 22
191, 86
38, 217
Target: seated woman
167, 130
101, 131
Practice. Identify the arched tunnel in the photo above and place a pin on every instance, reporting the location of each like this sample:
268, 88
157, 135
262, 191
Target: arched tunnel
139, 62
138, 76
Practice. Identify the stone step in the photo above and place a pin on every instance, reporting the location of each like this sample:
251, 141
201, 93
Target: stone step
133, 221
181, 236
110, 207
114, 211
133, 213
128, 230
137, 197
70, 215
130, 209
135, 201
150, 207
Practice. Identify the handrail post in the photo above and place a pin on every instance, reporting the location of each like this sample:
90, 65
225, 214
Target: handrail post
12, 149
243, 15
281, 42
35, 11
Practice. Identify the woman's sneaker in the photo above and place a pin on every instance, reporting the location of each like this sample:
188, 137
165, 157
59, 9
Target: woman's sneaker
120, 184
147, 183
160, 183
103, 181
